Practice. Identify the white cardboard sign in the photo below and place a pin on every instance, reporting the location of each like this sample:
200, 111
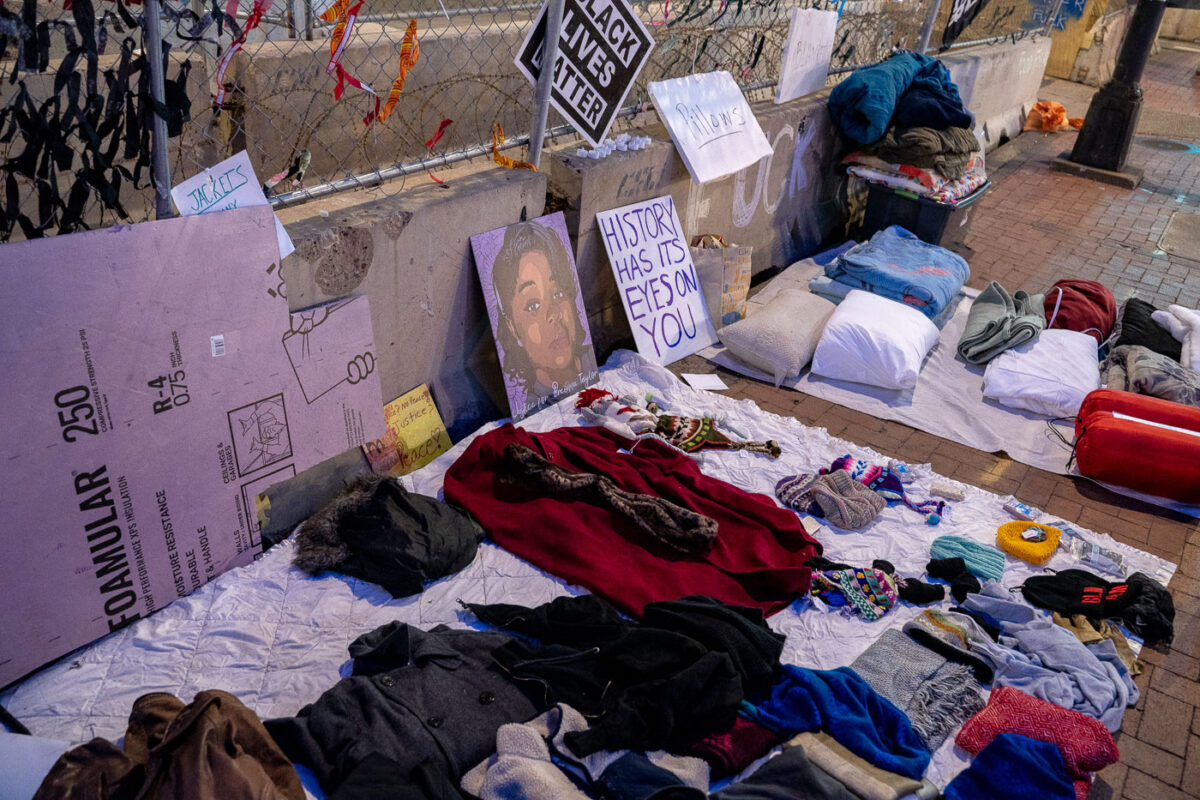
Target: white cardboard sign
230, 184
806, 53
657, 280
711, 124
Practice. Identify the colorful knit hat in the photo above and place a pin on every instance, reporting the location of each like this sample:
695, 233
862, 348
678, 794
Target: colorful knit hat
888, 484
950, 635
981, 560
1015, 539
837, 498
867, 591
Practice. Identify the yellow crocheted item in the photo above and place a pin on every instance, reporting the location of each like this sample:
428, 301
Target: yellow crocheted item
1009, 538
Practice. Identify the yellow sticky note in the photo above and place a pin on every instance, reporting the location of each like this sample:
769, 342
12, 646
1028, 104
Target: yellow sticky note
415, 434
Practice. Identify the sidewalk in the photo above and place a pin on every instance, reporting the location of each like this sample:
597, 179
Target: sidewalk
1034, 227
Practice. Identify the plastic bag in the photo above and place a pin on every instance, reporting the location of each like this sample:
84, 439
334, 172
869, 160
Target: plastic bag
1049, 116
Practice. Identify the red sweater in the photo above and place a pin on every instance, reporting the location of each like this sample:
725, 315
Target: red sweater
757, 560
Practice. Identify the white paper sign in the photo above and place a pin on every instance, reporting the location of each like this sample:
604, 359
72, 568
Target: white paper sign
806, 53
711, 124
230, 184
657, 280
710, 383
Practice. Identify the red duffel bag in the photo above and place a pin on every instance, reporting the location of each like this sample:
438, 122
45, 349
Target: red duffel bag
1139, 442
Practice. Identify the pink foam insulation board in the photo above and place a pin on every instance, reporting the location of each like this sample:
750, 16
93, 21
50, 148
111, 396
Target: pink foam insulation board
153, 384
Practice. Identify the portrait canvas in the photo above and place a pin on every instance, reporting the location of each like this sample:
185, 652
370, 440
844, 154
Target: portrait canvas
532, 295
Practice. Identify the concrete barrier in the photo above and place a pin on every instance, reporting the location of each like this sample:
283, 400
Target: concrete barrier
411, 255
1180, 23
285, 100
1098, 49
786, 205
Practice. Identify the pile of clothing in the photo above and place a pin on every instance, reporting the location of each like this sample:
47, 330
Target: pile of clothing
911, 127
1041, 350
1156, 352
668, 677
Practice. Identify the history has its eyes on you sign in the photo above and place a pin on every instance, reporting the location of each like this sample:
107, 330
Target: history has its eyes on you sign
657, 279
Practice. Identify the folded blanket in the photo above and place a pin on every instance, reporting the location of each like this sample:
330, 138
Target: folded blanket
947, 151
916, 89
1133, 368
897, 265
998, 321
943, 191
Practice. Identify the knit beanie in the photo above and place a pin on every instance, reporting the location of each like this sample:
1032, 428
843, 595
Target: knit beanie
980, 559
869, 592
1028, 541
837, 498
887, 483
950, 635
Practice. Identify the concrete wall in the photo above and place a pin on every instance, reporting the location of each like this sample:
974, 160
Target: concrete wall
411, 255
787, 204
1181, 23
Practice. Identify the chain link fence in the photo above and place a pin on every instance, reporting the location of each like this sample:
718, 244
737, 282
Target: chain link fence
77, 105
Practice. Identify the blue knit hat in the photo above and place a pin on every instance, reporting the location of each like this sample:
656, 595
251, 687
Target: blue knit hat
982, 561
1013, 766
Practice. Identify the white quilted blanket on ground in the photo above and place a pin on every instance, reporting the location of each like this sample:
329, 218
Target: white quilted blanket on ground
277, 638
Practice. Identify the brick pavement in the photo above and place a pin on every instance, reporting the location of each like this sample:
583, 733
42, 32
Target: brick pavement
1034, 227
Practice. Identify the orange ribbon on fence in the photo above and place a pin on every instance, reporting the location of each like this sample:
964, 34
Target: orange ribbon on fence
345, 15
505, 161
410, 51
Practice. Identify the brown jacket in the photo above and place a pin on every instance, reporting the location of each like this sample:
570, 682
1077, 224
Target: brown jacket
213, 749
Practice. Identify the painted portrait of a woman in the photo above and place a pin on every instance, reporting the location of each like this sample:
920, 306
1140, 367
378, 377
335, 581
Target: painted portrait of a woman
537, 316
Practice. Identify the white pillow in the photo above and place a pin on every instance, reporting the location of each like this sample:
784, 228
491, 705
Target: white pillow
876, 341
779, 336
1049, 376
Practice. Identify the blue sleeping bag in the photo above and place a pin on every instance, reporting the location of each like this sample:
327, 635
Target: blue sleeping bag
914, 89
897, 265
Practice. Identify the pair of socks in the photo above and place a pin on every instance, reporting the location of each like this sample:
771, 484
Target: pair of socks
954, 571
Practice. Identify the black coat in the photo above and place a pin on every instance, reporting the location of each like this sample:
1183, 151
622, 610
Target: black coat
664, 683
419, 710
376, 530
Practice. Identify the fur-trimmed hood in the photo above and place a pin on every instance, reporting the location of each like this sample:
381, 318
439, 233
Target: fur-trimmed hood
376, 530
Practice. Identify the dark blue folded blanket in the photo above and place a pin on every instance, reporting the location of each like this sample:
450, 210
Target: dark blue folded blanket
914, 89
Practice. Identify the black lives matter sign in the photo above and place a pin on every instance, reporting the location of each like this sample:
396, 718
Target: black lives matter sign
602, 46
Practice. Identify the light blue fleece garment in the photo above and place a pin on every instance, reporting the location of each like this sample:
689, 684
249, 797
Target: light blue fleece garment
897, 265
1047, 661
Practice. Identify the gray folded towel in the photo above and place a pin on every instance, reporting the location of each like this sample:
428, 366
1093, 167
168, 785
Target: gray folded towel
998, 321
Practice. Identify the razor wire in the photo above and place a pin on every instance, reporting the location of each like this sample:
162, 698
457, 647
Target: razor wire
269, 77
